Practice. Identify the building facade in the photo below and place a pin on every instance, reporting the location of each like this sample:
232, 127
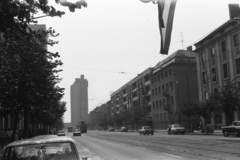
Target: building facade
79, 101
173, 81
132, 102
218, 61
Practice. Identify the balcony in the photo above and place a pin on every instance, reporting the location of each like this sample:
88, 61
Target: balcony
135, 98
134, 90
147, 83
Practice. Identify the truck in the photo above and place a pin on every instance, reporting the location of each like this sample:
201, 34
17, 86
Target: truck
70, 129
146, 130
233, 129
82, 127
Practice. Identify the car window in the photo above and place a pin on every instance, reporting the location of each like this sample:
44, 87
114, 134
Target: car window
45, 152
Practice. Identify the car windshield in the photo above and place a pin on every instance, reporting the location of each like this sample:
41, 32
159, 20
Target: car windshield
44, 152
177, 125
147, 127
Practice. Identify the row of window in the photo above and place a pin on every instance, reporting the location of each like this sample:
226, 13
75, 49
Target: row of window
160, 117
161, 76
223, 47
162, 102
158, 89
225, 72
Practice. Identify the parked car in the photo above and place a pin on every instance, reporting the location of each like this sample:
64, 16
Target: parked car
175, 129
146, 130
77, 132
124, 129
233, 129
111, 129
61, 133
42, 147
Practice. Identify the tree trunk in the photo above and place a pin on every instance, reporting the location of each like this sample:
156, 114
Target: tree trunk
14, 127
26, 124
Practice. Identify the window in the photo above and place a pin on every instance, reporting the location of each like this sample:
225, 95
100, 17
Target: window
159, 77
155, 79
156, 104
159, 89
225, 71
235, 40
161, 117
172, 100
162, 75
157, 117
152, 80
215, 90
238, 66
223, 46
214, 75
203, 57
212, 51
160, 103
152, 92
167, 86
153, 104
155, 91
204, 78
162, 87
206, 95
170, 71
163, 102
171, 85
166, 73
165, 117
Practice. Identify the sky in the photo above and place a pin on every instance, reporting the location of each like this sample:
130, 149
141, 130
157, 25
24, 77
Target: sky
111, 41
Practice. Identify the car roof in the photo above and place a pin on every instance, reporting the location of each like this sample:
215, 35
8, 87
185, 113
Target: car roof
41, 140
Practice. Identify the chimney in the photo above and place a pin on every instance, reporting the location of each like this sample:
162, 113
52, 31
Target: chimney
234, 10
189, 48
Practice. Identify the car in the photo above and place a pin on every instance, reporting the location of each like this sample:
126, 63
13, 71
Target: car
146, 130
111, 129
175, 129
61, 133
42, 147
124, 129
233, 129
77, 132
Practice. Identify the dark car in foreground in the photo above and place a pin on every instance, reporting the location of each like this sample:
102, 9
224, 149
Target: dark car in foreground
233, 129
175, 129
146, 130
111, 129
42, 148
124, 129
77, 133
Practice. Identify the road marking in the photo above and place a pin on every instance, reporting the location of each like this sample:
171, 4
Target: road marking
171, 155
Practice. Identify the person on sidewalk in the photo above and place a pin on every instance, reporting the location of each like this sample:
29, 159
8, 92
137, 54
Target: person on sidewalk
2, 138
9, 136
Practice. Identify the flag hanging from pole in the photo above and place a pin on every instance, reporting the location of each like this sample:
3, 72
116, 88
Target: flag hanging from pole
166, 9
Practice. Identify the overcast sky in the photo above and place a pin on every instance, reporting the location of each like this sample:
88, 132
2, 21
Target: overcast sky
113, 36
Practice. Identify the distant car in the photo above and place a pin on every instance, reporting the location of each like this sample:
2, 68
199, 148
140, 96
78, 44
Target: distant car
61, 133
42, 147
111, 129
77, 133
124, 129
175, 129
146, 130
233, 129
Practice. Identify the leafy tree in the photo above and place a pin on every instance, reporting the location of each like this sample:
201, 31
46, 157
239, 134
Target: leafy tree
188, 109
228, 100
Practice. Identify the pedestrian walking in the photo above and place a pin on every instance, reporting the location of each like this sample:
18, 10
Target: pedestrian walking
2, 138
9, 136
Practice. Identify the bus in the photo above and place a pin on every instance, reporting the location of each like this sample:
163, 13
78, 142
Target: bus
70, 129
82, 127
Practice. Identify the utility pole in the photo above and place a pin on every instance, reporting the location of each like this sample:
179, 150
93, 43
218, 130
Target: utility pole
182, 39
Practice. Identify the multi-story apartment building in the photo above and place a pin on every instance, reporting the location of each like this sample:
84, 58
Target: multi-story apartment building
218, 61
133, 101
173, 81
79, 101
